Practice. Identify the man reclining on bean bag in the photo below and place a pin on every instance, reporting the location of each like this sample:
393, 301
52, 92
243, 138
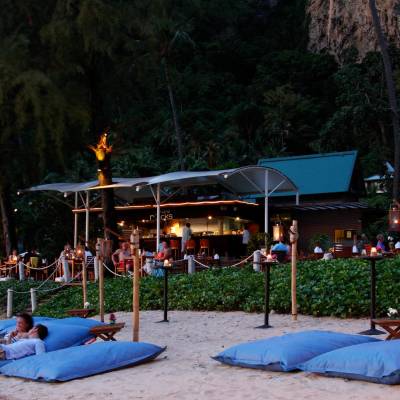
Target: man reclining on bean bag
33, 344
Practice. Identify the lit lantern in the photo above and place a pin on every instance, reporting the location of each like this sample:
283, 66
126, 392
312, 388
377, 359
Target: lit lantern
277, 232
394, 217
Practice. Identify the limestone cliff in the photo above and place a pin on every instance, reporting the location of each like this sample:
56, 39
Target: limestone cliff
337, 25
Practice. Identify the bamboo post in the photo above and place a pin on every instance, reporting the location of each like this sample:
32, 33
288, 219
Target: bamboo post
84, 283
136, 305
101, 289
9, 303
294, 235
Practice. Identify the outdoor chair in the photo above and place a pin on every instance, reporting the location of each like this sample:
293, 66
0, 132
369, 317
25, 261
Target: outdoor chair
174, 246
205, 246
341, 251
190, 246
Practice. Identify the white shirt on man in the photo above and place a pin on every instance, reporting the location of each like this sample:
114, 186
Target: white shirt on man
246, 237
23, 348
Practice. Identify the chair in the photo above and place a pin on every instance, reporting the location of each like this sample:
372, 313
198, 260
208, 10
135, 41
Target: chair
205, 246
341, 251
190, 246
90, 267
175, 250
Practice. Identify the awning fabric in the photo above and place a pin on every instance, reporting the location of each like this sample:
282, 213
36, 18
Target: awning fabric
239, 181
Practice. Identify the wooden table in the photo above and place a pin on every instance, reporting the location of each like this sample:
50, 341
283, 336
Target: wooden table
391, 326
107, 332
267, 272
81, 312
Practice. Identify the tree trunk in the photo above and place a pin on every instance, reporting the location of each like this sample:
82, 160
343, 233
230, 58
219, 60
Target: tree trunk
391, 89
107, 200
9, 236
178, 132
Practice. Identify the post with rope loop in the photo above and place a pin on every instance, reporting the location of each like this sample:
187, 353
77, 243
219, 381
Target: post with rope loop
135, 243
191, 265
67, 275
21, 270
33, 300
9, 303
294, 237
257, 261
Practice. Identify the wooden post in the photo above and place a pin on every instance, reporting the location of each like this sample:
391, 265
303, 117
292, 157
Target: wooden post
101, 289
84, 283
294, 236
136, 305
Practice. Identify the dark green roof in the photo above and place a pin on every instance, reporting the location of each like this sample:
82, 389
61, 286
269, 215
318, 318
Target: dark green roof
317, 173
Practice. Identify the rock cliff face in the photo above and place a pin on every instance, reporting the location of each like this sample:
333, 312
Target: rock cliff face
337, 25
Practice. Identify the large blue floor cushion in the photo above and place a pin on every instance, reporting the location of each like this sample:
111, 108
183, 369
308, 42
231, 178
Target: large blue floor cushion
377, 362
81, 361
284, 353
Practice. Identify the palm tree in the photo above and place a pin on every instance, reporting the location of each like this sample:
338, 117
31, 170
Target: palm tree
391, 89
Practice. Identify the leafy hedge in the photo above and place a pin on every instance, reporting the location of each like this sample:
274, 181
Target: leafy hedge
325, 288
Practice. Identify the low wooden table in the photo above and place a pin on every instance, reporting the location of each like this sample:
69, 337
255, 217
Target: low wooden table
391, 326
107, 332
81, 312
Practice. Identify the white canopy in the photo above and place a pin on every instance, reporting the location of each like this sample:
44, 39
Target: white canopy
240, 182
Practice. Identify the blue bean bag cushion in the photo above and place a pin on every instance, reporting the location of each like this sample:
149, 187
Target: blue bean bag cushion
284, 353
78, 362
86, 322
377, 362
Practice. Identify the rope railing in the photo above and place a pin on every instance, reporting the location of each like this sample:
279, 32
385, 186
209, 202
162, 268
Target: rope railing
43, 268
227, 266
114, 273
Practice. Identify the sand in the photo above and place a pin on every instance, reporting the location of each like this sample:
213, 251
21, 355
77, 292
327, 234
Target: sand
186, 371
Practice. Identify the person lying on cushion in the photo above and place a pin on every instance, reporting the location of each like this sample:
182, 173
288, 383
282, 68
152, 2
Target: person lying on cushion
24, 324
25, 347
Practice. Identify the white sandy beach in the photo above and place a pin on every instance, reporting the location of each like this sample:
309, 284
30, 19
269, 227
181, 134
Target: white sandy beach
186, 371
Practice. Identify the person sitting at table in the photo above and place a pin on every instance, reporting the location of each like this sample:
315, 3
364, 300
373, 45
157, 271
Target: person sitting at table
380, 245
281, 249
88, 253
13, 257
120, 256
164, 253
318, 249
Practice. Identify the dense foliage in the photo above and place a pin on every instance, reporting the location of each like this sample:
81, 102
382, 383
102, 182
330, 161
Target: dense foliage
335, 288
226, 82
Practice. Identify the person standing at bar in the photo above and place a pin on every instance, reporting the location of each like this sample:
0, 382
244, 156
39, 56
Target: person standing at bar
186, 235
245, 239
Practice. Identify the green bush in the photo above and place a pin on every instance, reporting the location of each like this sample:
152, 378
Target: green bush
324, 288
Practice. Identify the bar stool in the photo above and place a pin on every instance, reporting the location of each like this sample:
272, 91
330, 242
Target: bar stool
205, 245
174, 246
190, 246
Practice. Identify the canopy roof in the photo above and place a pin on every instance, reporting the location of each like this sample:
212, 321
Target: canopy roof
239, 181
317, 173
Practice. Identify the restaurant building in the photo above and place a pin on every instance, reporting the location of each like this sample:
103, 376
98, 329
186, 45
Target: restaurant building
321, 191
